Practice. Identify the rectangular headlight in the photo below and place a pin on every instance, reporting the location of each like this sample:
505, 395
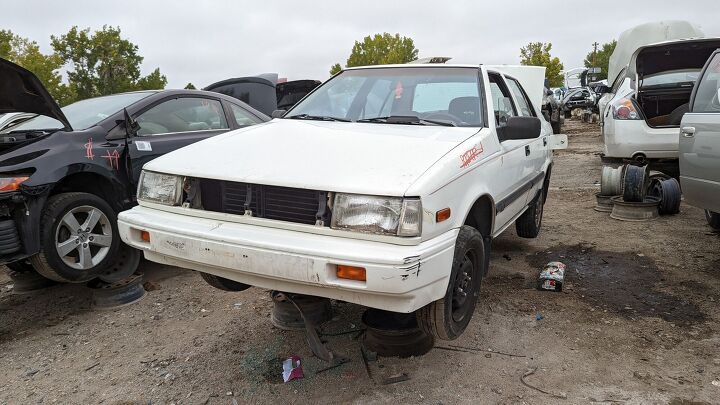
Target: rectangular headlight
380, 215
160, 188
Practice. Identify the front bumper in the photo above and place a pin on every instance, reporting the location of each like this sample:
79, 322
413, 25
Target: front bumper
399, 278
24, 211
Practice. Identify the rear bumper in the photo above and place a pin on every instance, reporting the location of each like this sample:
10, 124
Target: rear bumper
628, 138
398, 278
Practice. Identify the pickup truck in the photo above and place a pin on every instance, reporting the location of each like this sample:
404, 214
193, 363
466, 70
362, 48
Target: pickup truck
383, 187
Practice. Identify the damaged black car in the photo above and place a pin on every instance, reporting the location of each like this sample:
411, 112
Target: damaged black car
65, 174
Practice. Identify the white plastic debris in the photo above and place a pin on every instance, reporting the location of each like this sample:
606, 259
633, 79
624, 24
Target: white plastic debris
552, 277
292, 370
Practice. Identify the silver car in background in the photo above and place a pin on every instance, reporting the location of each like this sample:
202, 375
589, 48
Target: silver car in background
700, 143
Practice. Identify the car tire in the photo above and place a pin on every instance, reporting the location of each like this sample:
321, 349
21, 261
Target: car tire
22, 266
447, 318
223, 283
713, 219
529, 223
95, 249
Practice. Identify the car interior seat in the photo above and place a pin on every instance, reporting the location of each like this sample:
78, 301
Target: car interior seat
466, 108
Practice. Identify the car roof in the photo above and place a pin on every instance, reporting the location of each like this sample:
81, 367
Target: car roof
416, 65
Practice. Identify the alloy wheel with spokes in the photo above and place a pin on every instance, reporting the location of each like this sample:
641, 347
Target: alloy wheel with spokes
83, 237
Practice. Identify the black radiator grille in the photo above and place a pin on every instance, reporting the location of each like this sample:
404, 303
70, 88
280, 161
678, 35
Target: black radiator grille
272, 202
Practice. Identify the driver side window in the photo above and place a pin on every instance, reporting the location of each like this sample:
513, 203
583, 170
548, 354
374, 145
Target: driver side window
185, 114
503, 106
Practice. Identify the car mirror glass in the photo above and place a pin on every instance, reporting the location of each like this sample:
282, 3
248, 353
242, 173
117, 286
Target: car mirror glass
131, 126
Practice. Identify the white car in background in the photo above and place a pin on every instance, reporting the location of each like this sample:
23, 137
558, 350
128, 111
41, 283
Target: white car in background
383, 187
11, 119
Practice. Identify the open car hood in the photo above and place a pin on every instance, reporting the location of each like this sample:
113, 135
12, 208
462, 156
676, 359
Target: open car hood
263, 92
22, 91
671, 55
645, 34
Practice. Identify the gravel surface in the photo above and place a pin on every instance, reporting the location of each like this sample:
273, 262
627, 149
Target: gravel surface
637, 322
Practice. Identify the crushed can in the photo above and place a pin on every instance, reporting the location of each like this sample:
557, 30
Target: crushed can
552, 277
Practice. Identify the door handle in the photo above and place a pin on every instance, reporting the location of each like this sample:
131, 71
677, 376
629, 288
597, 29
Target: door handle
688, 132
527, 150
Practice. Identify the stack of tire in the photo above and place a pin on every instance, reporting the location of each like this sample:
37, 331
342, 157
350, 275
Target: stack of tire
634, 193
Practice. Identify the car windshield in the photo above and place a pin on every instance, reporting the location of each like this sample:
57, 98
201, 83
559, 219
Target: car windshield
397, 95
671, 78
84, 114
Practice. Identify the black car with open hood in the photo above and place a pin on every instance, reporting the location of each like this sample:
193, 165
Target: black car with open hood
265, 92
65, 174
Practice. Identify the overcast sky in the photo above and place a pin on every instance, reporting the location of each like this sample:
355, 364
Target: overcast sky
205, 41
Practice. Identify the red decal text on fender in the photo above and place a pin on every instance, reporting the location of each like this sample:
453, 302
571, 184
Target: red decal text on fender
470, 156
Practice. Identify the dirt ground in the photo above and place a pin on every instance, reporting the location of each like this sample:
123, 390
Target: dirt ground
637, 322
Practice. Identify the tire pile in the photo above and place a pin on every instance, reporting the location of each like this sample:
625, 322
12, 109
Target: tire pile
635, 193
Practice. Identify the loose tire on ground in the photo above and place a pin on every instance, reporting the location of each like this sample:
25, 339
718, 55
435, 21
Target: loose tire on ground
448, 317
529, 223
48, 261
224, 283
713, 219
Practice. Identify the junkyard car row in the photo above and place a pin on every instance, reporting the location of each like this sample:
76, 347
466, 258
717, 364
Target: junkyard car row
383, 186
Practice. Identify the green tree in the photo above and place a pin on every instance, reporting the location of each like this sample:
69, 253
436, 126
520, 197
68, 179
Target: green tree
27, 54
380, 49
335, 69
538, 54
103, 62
601, 58
190, 86
153, 81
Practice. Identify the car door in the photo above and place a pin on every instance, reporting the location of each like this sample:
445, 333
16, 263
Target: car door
536, 149
512, 199
699, 145
172, 123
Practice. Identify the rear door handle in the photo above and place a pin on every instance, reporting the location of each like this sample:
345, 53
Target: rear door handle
527, 150
688, 132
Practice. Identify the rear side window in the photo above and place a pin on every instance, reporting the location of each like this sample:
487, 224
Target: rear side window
242, 117
524, 105
706, 98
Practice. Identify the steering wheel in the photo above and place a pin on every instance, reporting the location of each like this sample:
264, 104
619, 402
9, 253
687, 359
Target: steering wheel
443, 116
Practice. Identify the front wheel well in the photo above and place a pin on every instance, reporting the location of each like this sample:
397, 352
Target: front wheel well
482, 215
91, 183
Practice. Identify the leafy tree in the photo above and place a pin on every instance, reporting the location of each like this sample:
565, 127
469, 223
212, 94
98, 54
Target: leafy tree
153, 81
380, 49
190, 86
103, 62
538, 54
335, 69
27, 54
601, 58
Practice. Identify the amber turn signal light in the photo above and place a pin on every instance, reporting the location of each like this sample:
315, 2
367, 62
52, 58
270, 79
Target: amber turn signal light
145, 236
442, 215
11, 183
350, 272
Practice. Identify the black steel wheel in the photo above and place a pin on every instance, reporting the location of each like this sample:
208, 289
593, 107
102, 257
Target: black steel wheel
78, 238
668, 191
448, 317
713, 219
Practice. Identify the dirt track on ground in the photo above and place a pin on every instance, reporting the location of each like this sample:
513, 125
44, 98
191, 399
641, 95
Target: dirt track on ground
637, 322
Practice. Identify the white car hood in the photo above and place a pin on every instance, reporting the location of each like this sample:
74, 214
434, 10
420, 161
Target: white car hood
363, 158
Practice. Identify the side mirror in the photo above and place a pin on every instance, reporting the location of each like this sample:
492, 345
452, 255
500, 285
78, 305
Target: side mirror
520, 128
131, 126
278, 113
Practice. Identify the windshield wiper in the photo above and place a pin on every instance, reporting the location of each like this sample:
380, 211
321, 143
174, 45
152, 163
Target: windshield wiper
407, 119
317, 118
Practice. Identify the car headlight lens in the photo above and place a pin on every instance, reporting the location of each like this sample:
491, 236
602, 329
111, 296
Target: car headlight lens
11, 183
160, 188
379, 215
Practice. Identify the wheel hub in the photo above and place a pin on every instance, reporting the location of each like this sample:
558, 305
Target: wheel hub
83, 237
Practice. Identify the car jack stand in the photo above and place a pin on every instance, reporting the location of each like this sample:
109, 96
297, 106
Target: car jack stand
313, 339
